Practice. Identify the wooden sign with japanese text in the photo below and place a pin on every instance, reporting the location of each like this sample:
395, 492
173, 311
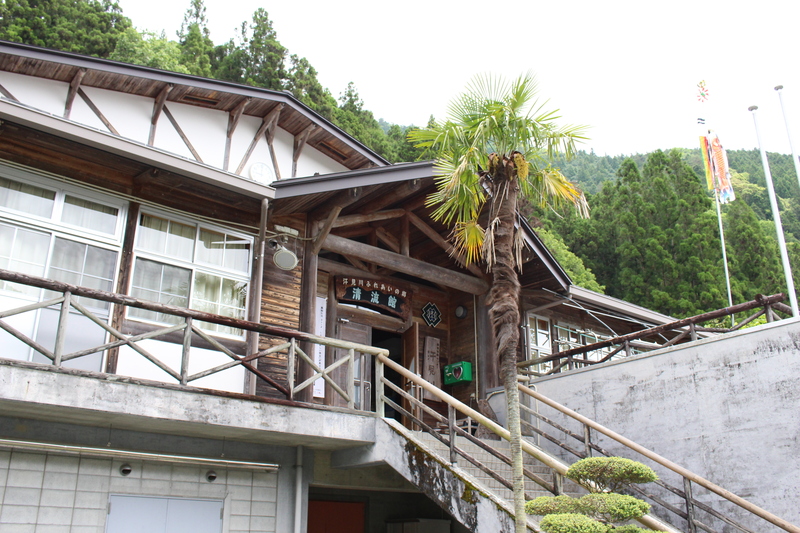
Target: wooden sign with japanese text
375, 294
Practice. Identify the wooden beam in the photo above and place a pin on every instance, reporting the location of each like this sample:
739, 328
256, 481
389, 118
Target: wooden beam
326, 229
340, 269
268, 121
299, 144
388, 239
442, 242
158, 106
350, 220
396, 194
74, 85
357, 263
97, 111
405, 245
270, 139
233, 121
182, 134
407, 265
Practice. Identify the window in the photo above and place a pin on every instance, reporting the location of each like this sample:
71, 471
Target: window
191, 265
62, 233
539, 342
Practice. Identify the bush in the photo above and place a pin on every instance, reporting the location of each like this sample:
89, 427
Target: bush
611, 507
571, 523
545, 505
630, 529
609, 473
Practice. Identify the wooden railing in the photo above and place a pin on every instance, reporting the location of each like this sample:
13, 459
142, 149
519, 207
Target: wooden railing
692, 506
681, 330
67, 303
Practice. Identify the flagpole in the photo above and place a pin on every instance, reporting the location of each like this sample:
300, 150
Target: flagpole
779, 88
776, 215
724, 256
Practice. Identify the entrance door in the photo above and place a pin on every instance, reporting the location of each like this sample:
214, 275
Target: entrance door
336, 517
362, 367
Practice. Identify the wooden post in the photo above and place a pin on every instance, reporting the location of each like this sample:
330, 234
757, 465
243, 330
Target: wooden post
61, 331
587, 440
451, 423
125, 270
290, 368
693, 331
558, 483
379, 394
187, 347
687, 489
351, 385
627, 348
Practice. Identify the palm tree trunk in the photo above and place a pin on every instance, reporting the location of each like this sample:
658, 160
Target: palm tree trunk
504, 314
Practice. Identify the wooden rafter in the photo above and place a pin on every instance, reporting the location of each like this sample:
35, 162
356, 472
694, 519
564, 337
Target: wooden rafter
388, 239
299, 144
96, 111
158, 106
433, 235
233, 121
325, 229
74, 85
399, 193
350, 220
268, 122
182, 134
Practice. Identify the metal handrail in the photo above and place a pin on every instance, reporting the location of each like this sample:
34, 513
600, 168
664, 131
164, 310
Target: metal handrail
558, 466
624, 342
683, 472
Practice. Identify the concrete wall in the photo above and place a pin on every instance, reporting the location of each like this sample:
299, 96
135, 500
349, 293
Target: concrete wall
725, 408
55, 493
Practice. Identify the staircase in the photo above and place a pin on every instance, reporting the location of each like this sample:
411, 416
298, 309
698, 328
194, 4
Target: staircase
532, 490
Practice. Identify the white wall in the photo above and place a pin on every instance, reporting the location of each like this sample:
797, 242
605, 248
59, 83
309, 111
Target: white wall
726, 409
54, 493
206, 129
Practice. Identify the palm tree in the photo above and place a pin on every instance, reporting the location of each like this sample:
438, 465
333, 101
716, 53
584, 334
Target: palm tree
493, 152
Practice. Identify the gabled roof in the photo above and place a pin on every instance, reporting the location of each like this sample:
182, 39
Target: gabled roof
402, 186
190, 90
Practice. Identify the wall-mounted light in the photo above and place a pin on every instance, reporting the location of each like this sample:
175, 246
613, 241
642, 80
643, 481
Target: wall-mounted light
461, 312
283, 258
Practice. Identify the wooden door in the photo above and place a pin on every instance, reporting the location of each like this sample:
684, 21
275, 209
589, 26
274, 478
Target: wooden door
336, 517
362, 366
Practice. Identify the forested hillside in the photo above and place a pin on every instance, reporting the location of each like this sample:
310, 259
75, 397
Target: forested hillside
652, 238
256, 57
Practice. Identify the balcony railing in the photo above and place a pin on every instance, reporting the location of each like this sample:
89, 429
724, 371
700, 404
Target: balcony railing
295, 345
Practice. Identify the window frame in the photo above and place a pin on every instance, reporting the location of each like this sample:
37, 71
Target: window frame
194, 265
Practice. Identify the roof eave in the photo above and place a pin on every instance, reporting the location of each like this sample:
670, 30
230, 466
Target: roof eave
116, 67
60, 127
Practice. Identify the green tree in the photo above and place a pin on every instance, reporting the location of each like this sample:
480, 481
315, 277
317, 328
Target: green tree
495, 148
82, 26
149, 50
599, 510
195, 40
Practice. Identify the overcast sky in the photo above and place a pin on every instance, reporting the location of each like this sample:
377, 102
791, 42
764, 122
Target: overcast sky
628, 69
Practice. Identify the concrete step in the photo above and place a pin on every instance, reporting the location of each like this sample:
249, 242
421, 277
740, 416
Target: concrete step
496, 465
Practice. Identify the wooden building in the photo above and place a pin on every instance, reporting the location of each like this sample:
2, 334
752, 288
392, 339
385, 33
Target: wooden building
244, 204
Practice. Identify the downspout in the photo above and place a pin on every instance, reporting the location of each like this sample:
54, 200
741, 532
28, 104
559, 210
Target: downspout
298, 492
